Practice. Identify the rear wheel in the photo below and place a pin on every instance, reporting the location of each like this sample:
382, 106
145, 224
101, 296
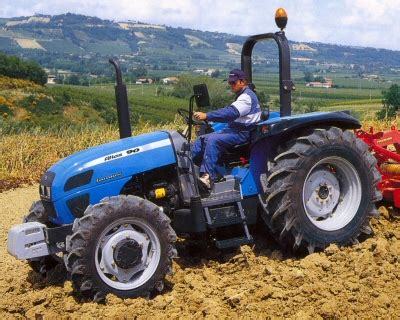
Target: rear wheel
123, 245
321, 189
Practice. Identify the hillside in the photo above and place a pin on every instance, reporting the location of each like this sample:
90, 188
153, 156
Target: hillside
23, 103
82, 44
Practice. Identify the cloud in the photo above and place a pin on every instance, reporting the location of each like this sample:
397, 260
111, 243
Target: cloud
351, 22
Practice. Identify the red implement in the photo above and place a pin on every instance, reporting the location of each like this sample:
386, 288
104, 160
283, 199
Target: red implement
385, 146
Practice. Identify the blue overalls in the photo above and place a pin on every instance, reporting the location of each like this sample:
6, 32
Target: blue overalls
241, 116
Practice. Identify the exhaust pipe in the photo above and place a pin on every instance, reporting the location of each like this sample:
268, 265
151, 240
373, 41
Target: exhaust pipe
121, 95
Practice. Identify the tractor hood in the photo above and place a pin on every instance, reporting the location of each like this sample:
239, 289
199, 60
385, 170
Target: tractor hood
109, 162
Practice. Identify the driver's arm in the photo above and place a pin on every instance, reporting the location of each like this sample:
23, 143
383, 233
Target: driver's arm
226, 114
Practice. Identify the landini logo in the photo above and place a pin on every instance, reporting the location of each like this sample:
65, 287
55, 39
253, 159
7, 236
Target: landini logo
113, 176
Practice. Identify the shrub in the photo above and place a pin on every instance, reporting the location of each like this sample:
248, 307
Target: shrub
15, 67
4, 110
99, 105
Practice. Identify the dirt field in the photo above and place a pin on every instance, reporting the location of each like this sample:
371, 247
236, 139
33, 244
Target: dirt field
29, 44
362, 281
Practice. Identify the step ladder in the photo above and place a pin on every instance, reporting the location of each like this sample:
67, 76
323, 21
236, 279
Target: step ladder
225, 209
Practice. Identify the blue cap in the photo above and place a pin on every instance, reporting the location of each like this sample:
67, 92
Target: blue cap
236, 74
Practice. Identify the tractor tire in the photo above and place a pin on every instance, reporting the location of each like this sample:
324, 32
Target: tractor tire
320, 189
42, 265
123, 245
36, 213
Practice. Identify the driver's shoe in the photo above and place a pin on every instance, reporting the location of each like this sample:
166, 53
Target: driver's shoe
205, 180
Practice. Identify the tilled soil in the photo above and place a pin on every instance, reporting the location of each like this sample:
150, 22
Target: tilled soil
263, 281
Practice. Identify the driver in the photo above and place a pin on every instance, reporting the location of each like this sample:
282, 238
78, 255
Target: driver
241, 116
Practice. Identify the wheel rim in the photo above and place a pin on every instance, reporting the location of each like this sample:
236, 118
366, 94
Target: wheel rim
117, 275
332, 193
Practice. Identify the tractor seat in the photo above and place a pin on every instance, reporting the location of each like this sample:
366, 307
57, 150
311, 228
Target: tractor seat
244, 147
239, 148
234, 155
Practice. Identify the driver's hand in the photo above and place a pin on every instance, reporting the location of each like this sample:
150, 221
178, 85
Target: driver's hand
200, 115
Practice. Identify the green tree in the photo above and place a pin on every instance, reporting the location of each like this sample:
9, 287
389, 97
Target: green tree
139, 72
391, 102
73, 79
320, 79
308, 76
15, 67
392, 97
215, 74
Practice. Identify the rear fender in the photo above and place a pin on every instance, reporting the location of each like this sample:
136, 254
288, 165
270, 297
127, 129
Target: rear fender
274, 131
261, 152
282, 126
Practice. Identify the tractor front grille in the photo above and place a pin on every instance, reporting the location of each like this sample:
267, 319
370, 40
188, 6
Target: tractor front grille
45, 192
49, 208
45, 185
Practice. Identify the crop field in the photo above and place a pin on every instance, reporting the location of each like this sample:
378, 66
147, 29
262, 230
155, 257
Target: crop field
156, 103
109, 47
61, 46
362, 100
144, 100
29, 44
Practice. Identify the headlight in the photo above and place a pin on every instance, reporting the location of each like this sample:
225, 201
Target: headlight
45, 185
45, 191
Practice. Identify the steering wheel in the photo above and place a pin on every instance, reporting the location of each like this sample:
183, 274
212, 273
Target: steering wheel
185, 115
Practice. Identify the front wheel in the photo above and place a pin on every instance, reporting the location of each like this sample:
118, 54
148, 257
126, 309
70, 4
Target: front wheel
123, 245
321, 189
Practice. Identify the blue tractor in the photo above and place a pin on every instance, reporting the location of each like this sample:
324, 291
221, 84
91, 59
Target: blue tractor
111, 213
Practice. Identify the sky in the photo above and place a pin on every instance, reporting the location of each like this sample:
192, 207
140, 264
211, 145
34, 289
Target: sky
366, 23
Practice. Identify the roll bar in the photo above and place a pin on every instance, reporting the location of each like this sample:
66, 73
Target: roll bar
286, 84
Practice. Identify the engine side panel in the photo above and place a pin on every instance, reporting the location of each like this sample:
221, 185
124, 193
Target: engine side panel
112, 166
